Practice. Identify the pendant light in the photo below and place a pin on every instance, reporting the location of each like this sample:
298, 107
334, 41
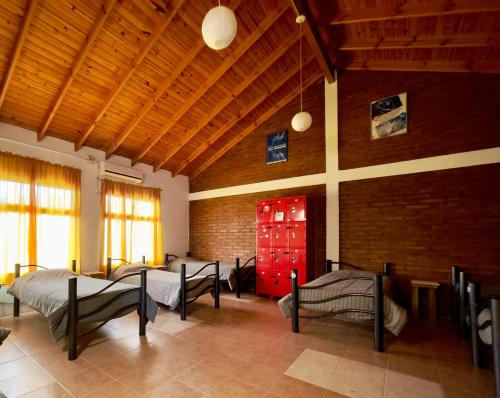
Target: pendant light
219, 27
302, 120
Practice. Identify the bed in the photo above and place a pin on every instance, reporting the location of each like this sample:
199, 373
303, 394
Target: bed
170, 288
357, 294
236, 276
68, 300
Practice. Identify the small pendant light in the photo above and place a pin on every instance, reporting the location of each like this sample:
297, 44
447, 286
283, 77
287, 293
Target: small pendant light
302, 120
219, 27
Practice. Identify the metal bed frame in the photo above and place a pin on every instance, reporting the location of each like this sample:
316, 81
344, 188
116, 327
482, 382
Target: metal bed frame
238, 269
74, 317
377, 296
459, 300
184, 302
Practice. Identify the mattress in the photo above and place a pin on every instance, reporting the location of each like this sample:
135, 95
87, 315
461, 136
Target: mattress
395, 317
46, 291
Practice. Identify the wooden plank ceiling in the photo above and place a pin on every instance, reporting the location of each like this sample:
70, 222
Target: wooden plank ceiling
134, 78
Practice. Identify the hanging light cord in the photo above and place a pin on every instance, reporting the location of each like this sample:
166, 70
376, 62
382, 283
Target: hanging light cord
300, 58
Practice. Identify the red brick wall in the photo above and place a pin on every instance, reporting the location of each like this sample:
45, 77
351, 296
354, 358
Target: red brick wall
245, 163
224, 228
424, 223
447, 113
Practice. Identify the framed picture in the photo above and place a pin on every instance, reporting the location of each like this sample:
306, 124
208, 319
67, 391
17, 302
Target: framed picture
277, 147
389, 116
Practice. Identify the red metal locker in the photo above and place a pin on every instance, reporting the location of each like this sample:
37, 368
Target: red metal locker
279, 259
296, 209
297, 258
280, 210
298, 234
264, 211
264, 235
263, 257
263, 282
280, 235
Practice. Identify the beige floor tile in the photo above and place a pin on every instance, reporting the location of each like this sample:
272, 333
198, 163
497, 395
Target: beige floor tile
16, 368
53, 390
289, 387
113, 389
10, 353
173, 388
143, 381
404, 385
25, 383
84, 382
311, 372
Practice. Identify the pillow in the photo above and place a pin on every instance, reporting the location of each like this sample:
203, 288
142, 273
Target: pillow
118, 272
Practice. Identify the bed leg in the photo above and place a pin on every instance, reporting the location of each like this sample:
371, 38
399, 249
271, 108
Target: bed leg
378, 305
73, 265
183, 292
108, 267
473, 304
217, 286
462, 292
238, 277
72, 318
328, 267
144, 259
495, 331
16, 300
295, 301
454, 283
143, 304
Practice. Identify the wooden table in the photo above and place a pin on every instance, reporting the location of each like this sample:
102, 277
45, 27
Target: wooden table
430, 287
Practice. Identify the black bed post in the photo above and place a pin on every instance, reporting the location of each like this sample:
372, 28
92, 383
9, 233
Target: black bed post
73, 265
144, 259
237, 277
495, 333
378, 305
72, 318
387, 269
217, 285
108, 267
295, 301
165, 261
473, 304
188, 254
454, 282
462, 291
328, 267
183, 292
16, 300
143, 304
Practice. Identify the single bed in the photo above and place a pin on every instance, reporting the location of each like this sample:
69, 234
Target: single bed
235, 275
350, 291
170, 288
68, 300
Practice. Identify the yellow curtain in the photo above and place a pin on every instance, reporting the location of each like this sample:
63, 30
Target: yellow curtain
39, 214
130, 223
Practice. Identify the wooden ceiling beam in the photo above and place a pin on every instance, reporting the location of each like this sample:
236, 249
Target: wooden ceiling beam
424, 66
239, 116
75, 67
186, 60
313, 37
416, 10
260, 120
16, 51
200, 124
213, 79
172, 10
450, 41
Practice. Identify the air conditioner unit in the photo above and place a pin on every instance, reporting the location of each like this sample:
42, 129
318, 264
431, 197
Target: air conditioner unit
110, 171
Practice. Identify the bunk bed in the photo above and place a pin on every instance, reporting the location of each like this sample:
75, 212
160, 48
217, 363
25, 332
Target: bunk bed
68, 300
351, 291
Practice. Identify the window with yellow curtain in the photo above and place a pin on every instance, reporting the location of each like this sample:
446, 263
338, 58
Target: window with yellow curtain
39, 214
130, 223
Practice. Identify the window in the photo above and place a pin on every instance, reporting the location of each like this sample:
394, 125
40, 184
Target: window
39, 214
131, 223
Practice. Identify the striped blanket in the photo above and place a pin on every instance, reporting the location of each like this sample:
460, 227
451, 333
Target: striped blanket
395, 317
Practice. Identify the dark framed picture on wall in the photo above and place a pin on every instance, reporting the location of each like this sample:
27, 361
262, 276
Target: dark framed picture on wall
389, 116
277, 147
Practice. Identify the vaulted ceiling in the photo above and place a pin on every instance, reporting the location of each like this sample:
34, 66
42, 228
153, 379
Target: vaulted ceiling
134, 78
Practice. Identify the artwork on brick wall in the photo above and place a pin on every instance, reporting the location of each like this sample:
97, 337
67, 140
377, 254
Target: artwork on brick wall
277, 147
389, 116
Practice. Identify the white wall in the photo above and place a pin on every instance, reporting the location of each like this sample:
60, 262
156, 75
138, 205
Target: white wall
174, 195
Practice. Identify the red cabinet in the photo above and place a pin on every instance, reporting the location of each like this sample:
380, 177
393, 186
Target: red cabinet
283, 233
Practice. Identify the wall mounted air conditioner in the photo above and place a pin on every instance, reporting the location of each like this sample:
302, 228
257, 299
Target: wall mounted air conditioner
110, 171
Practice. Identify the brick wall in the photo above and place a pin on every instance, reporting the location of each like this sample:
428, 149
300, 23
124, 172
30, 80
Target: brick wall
424, 223
245, 163
224, 228
447, 113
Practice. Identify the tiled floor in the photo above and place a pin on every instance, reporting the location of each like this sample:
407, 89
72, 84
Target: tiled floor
245, 349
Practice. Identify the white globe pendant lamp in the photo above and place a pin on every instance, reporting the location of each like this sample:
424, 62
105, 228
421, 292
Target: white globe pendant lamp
302, 120
219, 27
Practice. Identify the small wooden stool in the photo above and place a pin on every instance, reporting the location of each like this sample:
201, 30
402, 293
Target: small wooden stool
431, 291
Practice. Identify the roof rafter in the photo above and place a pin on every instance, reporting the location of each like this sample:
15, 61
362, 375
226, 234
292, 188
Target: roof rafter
415, 10
239, 116
260, 120
28, 16
186, 60
158, 32
268, 62
77, 63
219, 72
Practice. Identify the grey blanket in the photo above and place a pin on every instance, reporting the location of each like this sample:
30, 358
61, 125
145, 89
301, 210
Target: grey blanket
47, 292
394, 316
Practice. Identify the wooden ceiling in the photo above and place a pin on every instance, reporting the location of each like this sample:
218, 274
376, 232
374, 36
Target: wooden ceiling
134, 78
